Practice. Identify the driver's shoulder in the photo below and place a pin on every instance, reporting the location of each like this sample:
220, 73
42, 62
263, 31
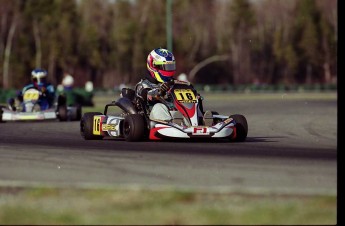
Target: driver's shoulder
28, 86
148, 84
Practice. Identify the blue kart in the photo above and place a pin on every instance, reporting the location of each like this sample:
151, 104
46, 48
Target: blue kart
36, 106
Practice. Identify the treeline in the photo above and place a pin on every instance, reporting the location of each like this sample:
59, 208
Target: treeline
214, 41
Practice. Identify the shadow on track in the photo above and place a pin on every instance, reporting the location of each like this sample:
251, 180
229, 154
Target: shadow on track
258, 147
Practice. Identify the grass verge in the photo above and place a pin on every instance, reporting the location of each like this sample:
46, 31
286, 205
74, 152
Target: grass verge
42, 205
100, 101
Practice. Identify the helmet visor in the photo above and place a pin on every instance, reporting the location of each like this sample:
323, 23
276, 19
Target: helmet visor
165, 66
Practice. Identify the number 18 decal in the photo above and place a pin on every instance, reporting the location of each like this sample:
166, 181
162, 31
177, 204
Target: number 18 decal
185, 95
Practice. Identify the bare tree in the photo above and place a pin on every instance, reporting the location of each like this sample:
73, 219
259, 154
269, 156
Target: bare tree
273, 32
37, 38
242, 19
8, 48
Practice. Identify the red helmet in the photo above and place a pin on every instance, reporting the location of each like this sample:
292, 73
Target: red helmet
161, 64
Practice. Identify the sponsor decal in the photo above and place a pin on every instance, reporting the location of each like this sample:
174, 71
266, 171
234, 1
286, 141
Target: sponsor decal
181, 82
107, 127
228, 120
112, 126
28, 117
200, 131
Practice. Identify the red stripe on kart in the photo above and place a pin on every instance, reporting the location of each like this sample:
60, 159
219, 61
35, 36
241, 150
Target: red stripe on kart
191, 112
183, 110
234, 133
153, 133
101, 123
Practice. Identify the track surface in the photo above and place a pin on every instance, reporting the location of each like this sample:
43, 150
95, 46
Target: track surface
291, 149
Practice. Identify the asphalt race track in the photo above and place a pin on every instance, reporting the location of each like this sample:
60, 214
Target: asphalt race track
291, 148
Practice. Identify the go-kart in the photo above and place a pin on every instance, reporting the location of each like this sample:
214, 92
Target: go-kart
35, 106
132, 121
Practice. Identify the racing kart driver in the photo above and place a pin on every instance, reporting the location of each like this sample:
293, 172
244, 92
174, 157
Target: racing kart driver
161, 67
38, 78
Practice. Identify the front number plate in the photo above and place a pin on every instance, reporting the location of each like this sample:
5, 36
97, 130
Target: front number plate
97, 125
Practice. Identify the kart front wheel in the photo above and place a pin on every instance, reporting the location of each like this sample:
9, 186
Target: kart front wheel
134, 127
241, 127
87, 126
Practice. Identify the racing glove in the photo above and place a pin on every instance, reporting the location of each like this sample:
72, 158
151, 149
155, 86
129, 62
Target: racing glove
153, 94
165, 87
44, 91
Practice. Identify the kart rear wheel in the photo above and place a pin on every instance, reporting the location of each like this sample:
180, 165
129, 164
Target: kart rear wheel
79, 112
75, 113
134, 127
62, 112
1, 111
86, 126
241, 127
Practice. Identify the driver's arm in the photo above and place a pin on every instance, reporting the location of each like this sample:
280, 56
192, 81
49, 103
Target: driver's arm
146, 92
141, 90
153, 94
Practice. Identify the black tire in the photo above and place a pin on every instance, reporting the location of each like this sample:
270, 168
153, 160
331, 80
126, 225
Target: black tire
75, 113
62, 112
61, 100
241, 127
79, 112
134, 127
1, 107
86, 126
